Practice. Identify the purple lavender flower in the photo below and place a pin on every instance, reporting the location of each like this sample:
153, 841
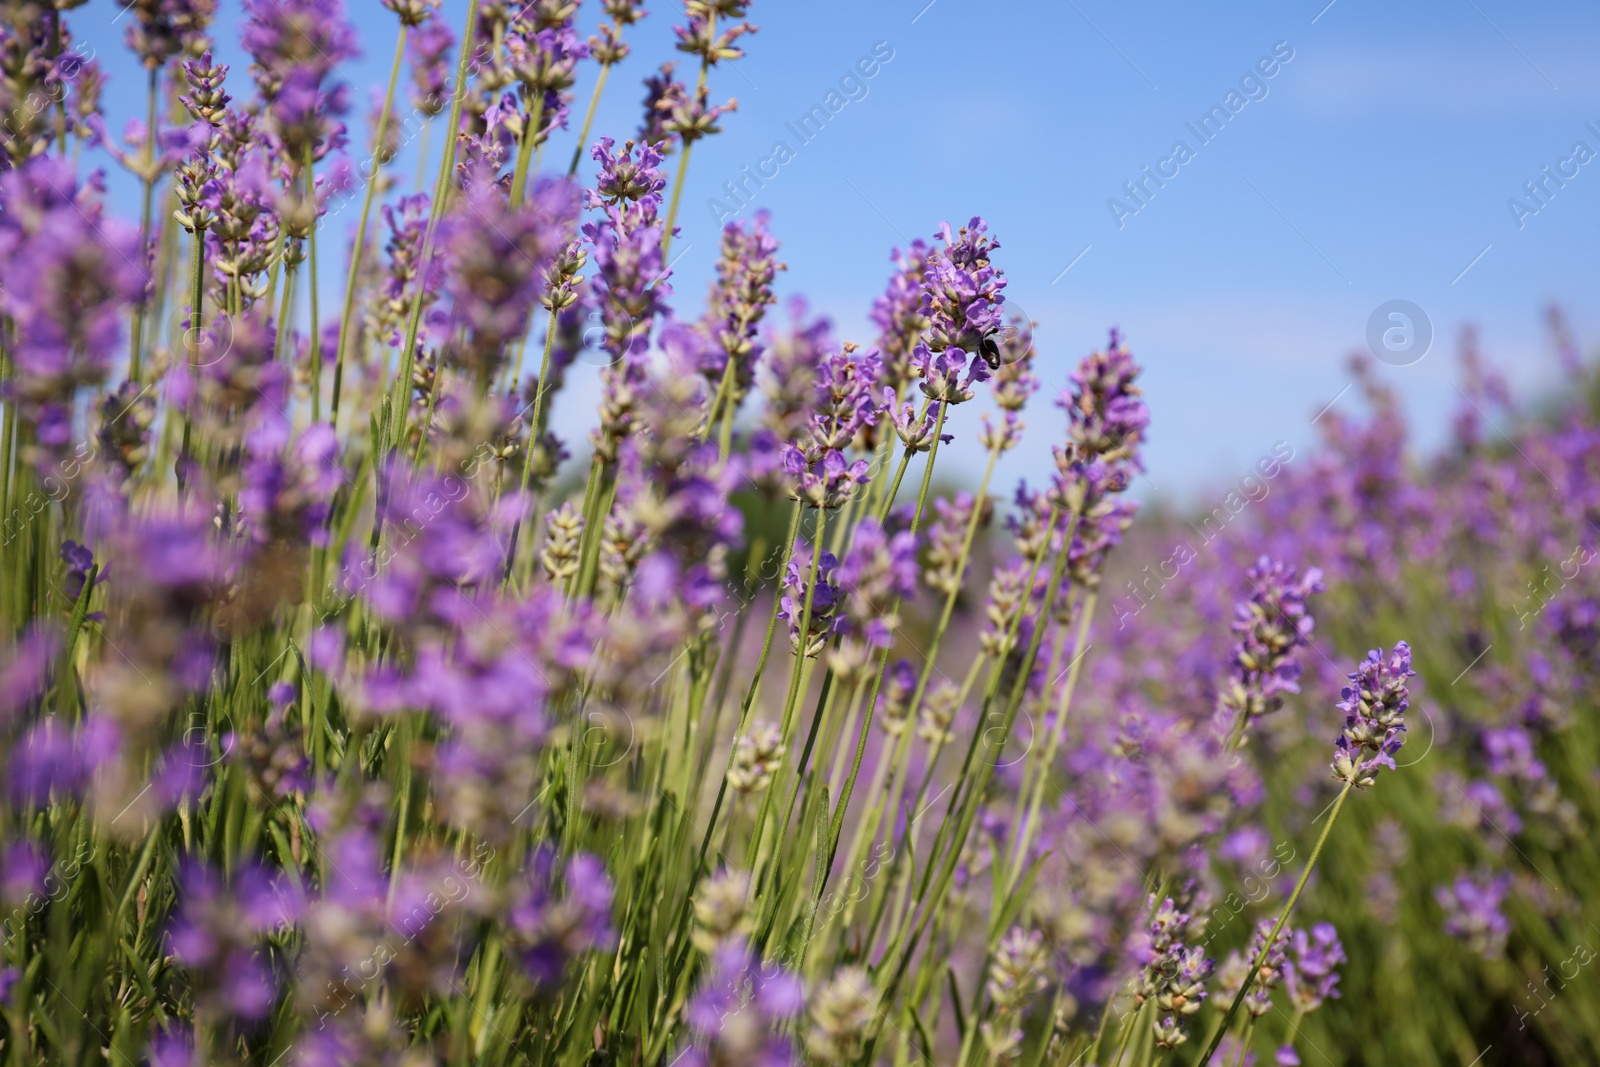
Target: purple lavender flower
286, 36
67, 276
662, 96
1107, 418
23, 868
497, 253
548, 928
172, 1048
1274, 960
794, 358
161, 29
1172, 972
738, 301
947, 536
844, 405
1009, 613
214, 936
297, 46
545, 61
51, 760
630, 276
206, 101
711, 31
879, 572
25, 668
286, 498
1473, 912
1272, 625
828, 483
898, 313
826, 601
407, 221
430, 47
1374, 706
738, 1012
961, 300
1311, 974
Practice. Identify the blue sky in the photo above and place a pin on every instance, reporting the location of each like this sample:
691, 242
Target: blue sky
1374, 165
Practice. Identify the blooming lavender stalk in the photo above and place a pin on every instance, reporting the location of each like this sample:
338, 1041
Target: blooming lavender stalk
413, 14
692, 117
738, 300
1375, 705
608, 49
1272, 625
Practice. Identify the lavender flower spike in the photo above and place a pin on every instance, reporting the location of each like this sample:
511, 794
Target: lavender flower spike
1375, 705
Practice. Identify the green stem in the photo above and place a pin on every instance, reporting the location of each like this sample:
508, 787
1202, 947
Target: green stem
361, 225
677, 195
530, 135
588, 119
311, 273
970, 799
1283, 917
447, 162
800, 660
196, 325
135, 360
533, 443
905, 461
1035, 797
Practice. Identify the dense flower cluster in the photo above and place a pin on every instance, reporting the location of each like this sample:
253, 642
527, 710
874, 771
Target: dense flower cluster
344, 720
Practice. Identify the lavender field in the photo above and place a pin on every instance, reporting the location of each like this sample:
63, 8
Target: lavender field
351, 715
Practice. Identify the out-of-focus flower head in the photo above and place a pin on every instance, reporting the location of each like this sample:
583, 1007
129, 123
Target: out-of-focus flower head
562, 915
1272, 625
215, 934
497, 255
67, 276
1473, 911
740, 1010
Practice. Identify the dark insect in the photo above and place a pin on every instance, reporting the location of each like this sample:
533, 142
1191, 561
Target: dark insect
989, 348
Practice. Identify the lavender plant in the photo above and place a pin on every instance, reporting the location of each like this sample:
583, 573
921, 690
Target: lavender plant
340, 727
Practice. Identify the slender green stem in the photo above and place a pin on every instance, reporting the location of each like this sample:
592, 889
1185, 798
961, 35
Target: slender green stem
677, 195
534, 426
530, 136
447, 163
1244, 1042
1277, 927
197, 294
588, 119
136, 339
361, 225
311, 275
795, 674
1034, 797
1127, 1032
931, 891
